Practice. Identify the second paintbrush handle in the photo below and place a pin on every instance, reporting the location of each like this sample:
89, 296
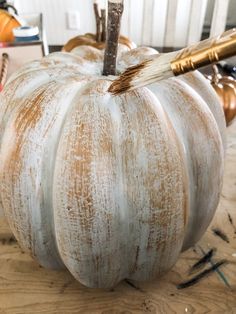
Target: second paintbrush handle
4, 70
205, 52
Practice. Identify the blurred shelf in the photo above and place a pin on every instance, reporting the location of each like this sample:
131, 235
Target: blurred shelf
23, 52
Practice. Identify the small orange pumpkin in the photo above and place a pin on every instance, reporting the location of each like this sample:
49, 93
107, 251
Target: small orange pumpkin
97, 40
225, 87
90, 40
7, 23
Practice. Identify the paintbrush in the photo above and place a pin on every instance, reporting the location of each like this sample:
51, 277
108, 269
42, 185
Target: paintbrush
163, 66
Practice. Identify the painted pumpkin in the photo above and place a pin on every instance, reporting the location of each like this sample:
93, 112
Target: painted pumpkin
90, 40
7, 23
110, 187
225, 87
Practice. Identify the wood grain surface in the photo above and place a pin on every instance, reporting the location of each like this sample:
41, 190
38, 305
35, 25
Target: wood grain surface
25, 287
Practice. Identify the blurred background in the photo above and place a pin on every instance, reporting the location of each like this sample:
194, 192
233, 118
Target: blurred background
30, 29
144, 21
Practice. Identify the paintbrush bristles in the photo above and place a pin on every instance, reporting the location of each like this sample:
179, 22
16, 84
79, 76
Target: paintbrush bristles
157, 68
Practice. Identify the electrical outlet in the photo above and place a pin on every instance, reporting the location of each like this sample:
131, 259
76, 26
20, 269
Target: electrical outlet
73, 19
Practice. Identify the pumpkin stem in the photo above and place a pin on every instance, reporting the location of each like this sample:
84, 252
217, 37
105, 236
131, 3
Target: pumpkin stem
104, 25
115, 10
98, 22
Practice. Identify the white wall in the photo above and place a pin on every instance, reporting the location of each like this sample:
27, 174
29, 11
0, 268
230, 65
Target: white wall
143, 20
54, 13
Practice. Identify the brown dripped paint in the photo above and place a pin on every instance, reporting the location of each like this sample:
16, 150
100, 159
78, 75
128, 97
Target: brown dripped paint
123, 83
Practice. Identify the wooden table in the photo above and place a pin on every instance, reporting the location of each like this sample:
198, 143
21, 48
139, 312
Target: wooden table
25, 287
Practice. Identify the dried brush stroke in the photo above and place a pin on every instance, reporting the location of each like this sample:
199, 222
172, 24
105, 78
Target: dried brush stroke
201, 275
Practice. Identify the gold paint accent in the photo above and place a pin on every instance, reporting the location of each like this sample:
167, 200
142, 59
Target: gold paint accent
205, 52
225, 87
90, 40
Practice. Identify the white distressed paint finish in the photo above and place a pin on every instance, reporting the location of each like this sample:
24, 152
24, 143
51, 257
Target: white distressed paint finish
203, 152
203, 88
219, 17
110, 187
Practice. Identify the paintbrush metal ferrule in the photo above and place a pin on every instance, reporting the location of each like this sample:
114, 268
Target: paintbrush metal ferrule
205, 52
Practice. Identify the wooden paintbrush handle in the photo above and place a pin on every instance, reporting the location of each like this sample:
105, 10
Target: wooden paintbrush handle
4, 69
205, 52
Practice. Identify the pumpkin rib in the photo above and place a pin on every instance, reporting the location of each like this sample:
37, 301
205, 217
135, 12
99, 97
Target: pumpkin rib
63, 61
37, 234
88, 53
82, 214
134, 57
75, 209
204, 152
21, 85
199, 84
168, 201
